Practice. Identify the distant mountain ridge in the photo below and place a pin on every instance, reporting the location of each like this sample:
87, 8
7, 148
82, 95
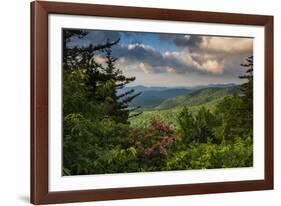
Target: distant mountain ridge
199, 97
152, 98
168, 97
141, 88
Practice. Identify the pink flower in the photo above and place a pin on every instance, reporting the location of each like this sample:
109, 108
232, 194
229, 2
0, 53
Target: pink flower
161, 126
165, 140
137, 143
162, 151
148, 151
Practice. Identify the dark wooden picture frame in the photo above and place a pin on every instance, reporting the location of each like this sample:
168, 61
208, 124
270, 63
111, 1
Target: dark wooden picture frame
39, 102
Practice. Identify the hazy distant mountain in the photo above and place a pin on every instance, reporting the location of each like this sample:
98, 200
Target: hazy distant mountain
141, 88
199, 97
152, 97
213, 86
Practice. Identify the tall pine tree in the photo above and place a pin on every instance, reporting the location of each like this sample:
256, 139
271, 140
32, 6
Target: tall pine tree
113, 78
247, 90
103, 80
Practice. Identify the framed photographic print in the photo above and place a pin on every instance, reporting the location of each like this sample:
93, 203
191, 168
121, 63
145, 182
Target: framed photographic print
131, 102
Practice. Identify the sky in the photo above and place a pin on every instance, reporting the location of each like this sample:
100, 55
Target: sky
173, 60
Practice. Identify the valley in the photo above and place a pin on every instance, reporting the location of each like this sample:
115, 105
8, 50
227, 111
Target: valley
165, 104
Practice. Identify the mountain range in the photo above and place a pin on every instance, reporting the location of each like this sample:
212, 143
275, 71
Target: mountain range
159, 98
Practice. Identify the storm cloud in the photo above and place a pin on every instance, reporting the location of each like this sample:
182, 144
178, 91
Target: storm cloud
157, 62
190, 41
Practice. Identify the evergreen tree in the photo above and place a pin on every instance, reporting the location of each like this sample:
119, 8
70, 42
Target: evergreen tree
198, 129
70, 33
247, 90
231, 115
187, 125
204, 123
69, 54
115, 80
102, 81
95, 116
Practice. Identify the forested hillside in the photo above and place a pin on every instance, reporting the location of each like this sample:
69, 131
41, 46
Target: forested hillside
200, 97
168, 110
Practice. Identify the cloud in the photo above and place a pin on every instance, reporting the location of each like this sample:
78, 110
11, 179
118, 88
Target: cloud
226, 44
190, 54
190, 41
205, 64
215, 54
139, 53
170, 69
212, 66
121, 60
149, 60
184, 57
214, 43
99, 59
145, 68
138, 45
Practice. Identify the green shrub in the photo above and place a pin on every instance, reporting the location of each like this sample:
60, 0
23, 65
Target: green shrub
209, 156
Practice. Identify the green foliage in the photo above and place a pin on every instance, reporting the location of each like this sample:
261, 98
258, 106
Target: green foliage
114, 160
247, 91
231, 115
205, 122
199, 128
209, 156
95, 118
90, 147
169, 116
74, 92
187, 125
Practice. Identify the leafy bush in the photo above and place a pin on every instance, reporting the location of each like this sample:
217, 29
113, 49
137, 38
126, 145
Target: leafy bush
91, 146
198, 128
152, 145
209, 156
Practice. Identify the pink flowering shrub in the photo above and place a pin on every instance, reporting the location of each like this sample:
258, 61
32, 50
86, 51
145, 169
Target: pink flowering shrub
155, 141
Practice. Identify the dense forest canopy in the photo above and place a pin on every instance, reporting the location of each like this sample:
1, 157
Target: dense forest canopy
104, 132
